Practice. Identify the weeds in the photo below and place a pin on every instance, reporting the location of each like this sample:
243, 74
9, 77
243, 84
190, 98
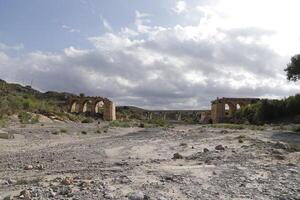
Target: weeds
238, 126
87, 120
122, 124
63, 130
28, 181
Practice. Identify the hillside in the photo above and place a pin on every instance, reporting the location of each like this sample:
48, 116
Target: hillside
18, 99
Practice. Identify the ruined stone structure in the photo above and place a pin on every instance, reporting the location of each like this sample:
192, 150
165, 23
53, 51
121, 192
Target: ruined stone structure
93, 105
174, 115
222, 109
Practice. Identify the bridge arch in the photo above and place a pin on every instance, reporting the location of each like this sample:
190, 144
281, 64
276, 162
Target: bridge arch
93, 105
75, 106
219, 111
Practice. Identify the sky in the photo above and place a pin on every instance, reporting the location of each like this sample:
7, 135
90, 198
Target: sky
158, 54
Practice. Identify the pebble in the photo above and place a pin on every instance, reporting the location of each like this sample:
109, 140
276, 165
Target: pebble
28, 167
205, 150
220, 148
177, 156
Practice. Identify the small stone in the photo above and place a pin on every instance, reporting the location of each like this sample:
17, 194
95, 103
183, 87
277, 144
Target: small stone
52, 194
108, 196
40, 167
25, 194
224, 132
205, 150
67, 181
183, 144
177, 156
65, 190
28, 167
11, 181
220, 148
279, 145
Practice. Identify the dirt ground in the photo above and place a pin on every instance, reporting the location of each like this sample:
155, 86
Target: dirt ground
75, 161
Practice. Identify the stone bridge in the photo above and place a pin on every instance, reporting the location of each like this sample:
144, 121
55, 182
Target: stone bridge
177, 115
222, 109
93, 105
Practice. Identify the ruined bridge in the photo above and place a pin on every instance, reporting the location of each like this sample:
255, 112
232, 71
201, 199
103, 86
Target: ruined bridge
222, 109
176, 115
93, 105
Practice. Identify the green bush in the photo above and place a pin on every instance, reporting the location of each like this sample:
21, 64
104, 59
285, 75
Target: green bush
27, 118
266, 110
24, 117
63, 130
122, 124
158, 122
87, 120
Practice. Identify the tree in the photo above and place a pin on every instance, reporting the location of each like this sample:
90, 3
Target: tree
293, 68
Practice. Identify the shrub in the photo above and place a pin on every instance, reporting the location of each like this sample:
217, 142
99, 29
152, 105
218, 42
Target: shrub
63, 130
87, 120
24, 117
158, 122
123, 124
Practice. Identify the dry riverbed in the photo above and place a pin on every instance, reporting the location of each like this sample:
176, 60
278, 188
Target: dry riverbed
86, 161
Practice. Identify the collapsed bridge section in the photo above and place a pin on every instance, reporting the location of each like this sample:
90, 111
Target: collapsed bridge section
222, 109
93, 105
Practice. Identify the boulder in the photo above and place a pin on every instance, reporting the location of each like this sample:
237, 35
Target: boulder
220, 148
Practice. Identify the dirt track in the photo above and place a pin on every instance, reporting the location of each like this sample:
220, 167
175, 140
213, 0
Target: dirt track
136, 163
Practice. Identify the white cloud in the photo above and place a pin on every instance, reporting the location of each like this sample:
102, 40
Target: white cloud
141, 21
180, 7
229, 52
106, 24
5, 47
70, 29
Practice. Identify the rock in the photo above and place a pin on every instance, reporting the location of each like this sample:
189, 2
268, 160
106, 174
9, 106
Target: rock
67, 181
52, 194
108, 196
11, 181
279, 157
241, 140
177, 156
9, 197
25, 194
224, 132
6, 135
66, 190
142, 125
183, 144
136, 195
279, 145
205, 150
28, 167
220, 148
40, 167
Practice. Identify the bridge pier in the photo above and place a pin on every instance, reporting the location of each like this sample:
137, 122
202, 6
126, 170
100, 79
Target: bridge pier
178, 116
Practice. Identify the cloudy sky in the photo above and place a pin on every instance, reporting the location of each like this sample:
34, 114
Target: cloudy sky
159, 54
